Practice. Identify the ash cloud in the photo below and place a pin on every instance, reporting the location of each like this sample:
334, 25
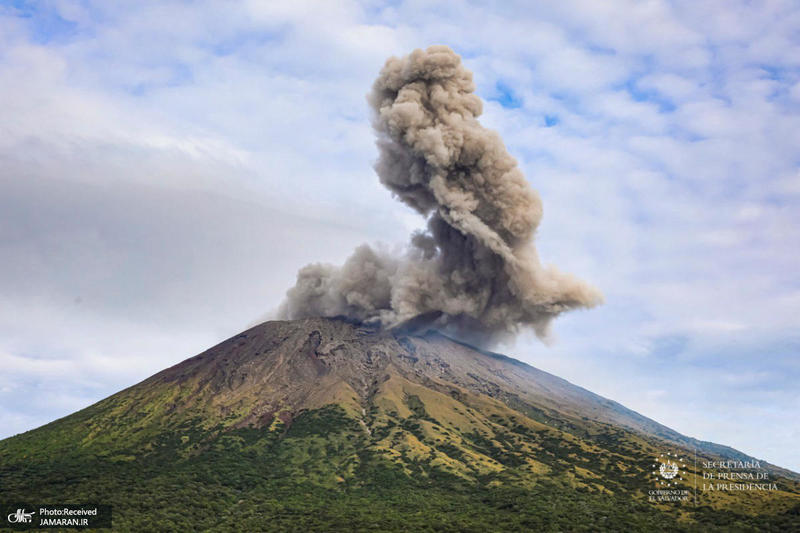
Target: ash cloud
474, 272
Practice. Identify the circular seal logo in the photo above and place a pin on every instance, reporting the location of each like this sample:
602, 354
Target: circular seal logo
668, 469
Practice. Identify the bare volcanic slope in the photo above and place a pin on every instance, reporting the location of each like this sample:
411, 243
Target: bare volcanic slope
318, 407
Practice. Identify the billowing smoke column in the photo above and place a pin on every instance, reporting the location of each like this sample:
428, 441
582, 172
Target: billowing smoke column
475, 272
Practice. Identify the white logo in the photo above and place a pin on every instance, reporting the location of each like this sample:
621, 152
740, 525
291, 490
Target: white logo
668, 469
20, 517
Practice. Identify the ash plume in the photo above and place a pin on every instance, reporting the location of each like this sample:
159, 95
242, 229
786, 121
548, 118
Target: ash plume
474, 272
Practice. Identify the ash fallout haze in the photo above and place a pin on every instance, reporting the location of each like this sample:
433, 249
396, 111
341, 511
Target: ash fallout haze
168, 168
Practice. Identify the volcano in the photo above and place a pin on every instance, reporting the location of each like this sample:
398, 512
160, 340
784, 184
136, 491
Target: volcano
328, 424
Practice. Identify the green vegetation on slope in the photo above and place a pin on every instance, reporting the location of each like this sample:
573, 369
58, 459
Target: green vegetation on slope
324, 425
321, 473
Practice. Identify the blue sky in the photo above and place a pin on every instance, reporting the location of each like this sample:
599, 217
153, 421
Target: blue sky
166, 167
